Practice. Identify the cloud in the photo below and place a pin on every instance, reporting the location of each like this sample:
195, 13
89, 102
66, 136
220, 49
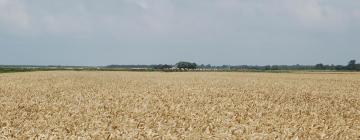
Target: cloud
313, 14
172, 17
13, 13
66, 24
237, 29
142, 4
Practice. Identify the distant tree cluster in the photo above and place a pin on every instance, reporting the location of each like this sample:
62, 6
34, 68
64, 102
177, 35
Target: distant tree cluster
351, 66
129, 66
162, 67
186, 65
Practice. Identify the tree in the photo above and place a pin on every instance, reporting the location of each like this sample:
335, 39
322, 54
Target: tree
267, 67
166, 66
340, 67
202, 66
319, 66
351, 65
208, 66
275, 67
162, 67
186, 65
357, 67
193, 66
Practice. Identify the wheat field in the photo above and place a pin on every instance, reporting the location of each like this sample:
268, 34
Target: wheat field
187, 105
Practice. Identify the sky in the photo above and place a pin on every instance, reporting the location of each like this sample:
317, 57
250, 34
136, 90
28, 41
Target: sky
236, 32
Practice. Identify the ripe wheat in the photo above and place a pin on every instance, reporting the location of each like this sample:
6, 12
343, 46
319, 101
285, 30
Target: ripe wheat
154, 105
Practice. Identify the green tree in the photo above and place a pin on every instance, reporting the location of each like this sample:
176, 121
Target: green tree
208, 66
186, 65
351, 65
267, 67
319, 66
162, 67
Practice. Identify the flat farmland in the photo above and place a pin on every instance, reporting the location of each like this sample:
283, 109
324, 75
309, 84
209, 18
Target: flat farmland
184, 105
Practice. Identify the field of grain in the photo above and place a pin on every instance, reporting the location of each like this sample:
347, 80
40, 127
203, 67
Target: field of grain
156, 105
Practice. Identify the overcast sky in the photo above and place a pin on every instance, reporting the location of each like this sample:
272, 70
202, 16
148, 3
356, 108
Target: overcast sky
256, 32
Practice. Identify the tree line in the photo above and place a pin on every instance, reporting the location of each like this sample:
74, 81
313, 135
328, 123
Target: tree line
352, 65
183, 65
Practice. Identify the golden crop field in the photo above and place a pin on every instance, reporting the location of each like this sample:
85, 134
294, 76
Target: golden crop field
188, 105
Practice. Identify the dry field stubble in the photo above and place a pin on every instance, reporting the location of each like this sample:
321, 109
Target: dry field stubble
120, 105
